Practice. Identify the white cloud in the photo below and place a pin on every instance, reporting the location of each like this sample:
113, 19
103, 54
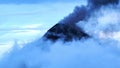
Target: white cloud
5, 48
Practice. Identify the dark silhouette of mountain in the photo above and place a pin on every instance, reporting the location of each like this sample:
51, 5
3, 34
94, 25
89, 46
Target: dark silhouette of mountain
65, 32
66, 29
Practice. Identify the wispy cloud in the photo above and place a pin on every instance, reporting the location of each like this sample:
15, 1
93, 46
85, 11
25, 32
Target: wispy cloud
27, 21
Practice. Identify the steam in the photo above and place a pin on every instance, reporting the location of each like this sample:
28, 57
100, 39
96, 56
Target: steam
106, 20
100, 51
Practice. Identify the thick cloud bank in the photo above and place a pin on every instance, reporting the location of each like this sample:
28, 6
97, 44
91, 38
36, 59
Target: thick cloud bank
100, 50
76, 54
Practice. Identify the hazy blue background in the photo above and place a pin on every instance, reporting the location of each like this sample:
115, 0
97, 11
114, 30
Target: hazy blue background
35, 1
25, 20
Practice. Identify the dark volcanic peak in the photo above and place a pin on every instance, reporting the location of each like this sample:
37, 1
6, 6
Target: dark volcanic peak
67, 30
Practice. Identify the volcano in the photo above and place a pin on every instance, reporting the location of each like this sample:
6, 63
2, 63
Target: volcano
89, 50
67, 30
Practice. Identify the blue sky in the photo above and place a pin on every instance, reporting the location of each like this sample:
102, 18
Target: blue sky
26, 20
34, 1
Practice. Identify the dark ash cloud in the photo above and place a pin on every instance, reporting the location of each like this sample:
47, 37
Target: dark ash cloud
99, 3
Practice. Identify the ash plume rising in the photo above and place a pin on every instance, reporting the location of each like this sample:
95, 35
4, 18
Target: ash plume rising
67, 30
